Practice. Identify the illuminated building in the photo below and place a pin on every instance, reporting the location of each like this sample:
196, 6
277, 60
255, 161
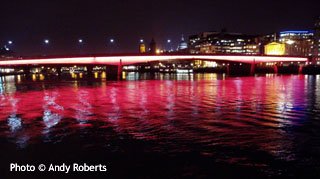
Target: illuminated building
275, 48
196, 41
266, 39
183, 46
223, 43
205, 64
142, 48
316, 47
297, 43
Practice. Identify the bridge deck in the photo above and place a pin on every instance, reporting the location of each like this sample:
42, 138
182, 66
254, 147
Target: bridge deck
128, 60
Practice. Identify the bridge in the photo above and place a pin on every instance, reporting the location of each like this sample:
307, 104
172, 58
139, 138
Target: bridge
120, 60
134, 59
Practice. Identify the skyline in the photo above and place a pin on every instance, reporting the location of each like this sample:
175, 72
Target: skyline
28, 24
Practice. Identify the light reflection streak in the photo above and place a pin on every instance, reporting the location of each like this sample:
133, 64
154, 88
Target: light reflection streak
83, 107
114, 114
14, 122
51, 116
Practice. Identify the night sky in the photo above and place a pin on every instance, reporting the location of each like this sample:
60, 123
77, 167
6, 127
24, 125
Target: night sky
29, 22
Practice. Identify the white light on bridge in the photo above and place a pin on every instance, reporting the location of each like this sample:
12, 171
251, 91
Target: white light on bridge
80, 40
10, 42
46, 41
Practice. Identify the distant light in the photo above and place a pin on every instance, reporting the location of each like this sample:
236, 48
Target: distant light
141, 40
111, 40
169, 41
290, 42
46, 41
80, 40
10, 42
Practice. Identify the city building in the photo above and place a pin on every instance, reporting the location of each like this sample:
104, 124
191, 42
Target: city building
196, 41
290, 43
316, 47
153, 47
265, 40
183, 45
223, 43
142, 47
297, 43
275, 48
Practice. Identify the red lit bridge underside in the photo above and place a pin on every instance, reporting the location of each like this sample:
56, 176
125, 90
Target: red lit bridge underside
134, 59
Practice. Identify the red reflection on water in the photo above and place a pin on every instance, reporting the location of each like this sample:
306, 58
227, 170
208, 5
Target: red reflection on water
246, 111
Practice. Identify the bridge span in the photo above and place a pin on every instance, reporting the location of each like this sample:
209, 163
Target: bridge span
134, 59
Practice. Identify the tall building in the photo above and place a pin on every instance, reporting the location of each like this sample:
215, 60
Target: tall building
153, 47
316, 47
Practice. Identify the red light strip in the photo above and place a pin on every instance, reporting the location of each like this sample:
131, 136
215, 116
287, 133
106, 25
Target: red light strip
127, 60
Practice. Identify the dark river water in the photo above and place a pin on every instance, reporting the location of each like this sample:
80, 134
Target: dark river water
163, 126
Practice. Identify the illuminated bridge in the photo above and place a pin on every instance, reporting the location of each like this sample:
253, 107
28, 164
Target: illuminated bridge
120, 60
134, 59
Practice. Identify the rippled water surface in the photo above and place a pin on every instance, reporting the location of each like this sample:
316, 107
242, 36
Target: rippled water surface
166, 126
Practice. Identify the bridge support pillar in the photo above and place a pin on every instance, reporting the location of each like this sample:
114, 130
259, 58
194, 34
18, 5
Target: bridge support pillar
275, 69
112, 72
27, 71
228, 69
252, 68
90, 70
119, 75
300, 69
58, 70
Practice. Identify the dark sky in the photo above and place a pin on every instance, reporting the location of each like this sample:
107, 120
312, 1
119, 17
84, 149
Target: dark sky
29, 22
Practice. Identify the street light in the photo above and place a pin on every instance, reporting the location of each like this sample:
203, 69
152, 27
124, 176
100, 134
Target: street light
46, 49
169, 45
46, 41
141, 40
111, 40
10, 42
80, 41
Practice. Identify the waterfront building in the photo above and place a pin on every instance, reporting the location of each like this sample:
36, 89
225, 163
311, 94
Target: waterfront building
266, 39
316, 47
275, 48
297, 43
223, 43
196, 41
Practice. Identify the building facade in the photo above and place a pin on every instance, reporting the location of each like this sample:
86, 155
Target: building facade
297, 43
223, 43
316, 47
